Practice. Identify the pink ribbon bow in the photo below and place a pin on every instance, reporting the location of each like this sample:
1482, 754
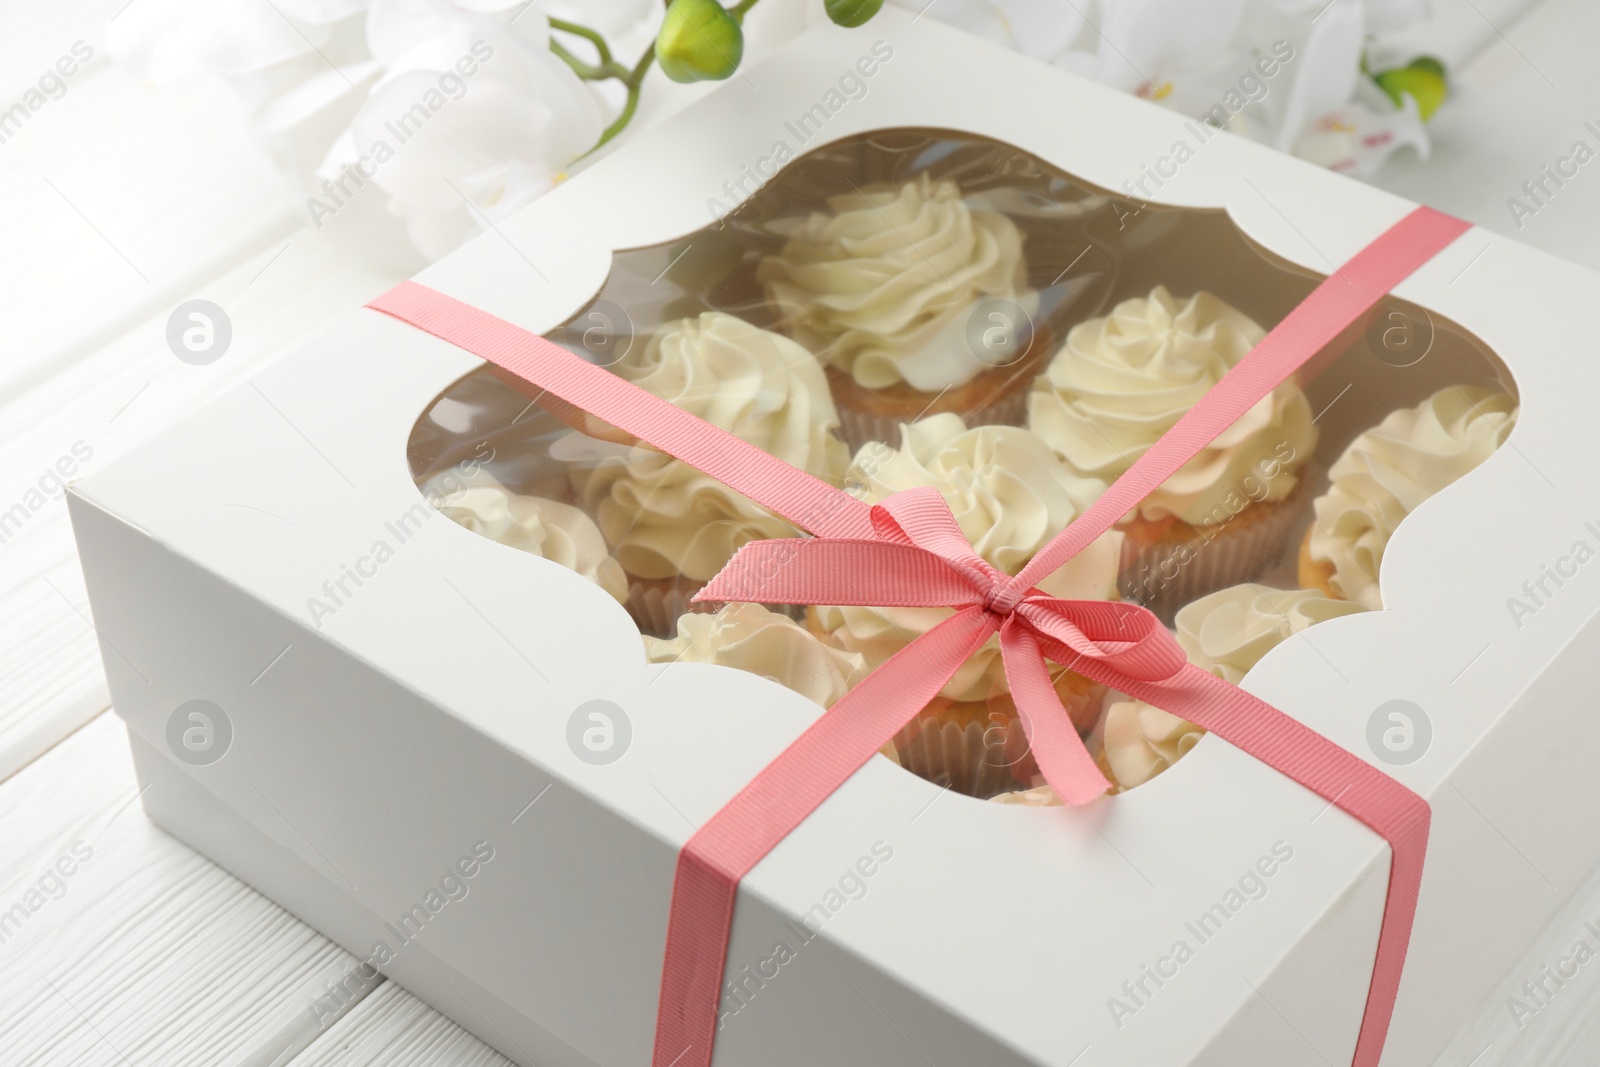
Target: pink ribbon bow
922, 559
908, 551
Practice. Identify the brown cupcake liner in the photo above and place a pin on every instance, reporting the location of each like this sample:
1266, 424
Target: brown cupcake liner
1175, 571
859, 426
656, 603
974, 757
980, 749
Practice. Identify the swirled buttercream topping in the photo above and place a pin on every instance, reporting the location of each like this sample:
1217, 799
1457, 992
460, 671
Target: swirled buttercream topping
660, 515
880, 285
1226, 633
751, 638
1123, 380
1229, 631
1388, 471
558, 532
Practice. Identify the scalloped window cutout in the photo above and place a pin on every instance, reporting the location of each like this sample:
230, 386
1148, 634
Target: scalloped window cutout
927, 307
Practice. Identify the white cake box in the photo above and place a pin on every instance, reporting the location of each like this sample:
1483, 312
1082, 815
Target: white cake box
398, 770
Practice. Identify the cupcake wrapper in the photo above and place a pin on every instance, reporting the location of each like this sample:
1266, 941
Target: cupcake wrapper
655, 608
1167, 575
856, 428
981, 756
970, 758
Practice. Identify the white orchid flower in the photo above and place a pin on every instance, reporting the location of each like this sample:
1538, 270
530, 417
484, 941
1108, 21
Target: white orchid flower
301, 67
333, 85
1358, 137
455, 152
1204, 59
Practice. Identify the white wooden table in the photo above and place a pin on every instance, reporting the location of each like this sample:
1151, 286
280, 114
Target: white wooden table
117, 202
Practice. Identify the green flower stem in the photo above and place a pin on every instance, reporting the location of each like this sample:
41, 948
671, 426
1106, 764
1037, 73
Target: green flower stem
634, 81
603, 71
592, 36
608, 68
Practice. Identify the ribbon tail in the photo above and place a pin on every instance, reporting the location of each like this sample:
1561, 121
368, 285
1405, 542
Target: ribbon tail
1398, 815
763, 813
1054, 741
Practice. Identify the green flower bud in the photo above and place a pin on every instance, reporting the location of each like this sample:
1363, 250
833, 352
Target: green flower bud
1423, 80
700, 40
851, 12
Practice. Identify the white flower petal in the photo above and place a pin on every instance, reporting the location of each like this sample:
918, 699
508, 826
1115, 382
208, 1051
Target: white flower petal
396, 27
1324, 73
341, 153
496, 139
311, 96
1152, 40
1356, 138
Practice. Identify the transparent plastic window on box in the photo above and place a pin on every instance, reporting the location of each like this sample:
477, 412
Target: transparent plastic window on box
918, 307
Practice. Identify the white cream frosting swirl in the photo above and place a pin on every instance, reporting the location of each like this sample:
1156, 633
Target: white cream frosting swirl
1010, 495
660, 515
879, 286
1229, 631
1139, 741
751, 638
558, 532
1389, 470
1123, 380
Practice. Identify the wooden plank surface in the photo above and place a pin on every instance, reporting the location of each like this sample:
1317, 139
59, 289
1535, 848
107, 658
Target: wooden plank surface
130, 948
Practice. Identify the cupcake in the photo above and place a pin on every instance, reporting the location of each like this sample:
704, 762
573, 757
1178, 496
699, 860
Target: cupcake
671, 527
1123, 380
883, 288
1010, 495
548, 528
1226, 633
751, 638
1230, 631
1383, 476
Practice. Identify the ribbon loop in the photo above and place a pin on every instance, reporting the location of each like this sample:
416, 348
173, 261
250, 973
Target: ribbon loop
1127, 638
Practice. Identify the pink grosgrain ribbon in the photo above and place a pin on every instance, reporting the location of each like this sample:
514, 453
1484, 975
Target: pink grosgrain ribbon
908, 551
